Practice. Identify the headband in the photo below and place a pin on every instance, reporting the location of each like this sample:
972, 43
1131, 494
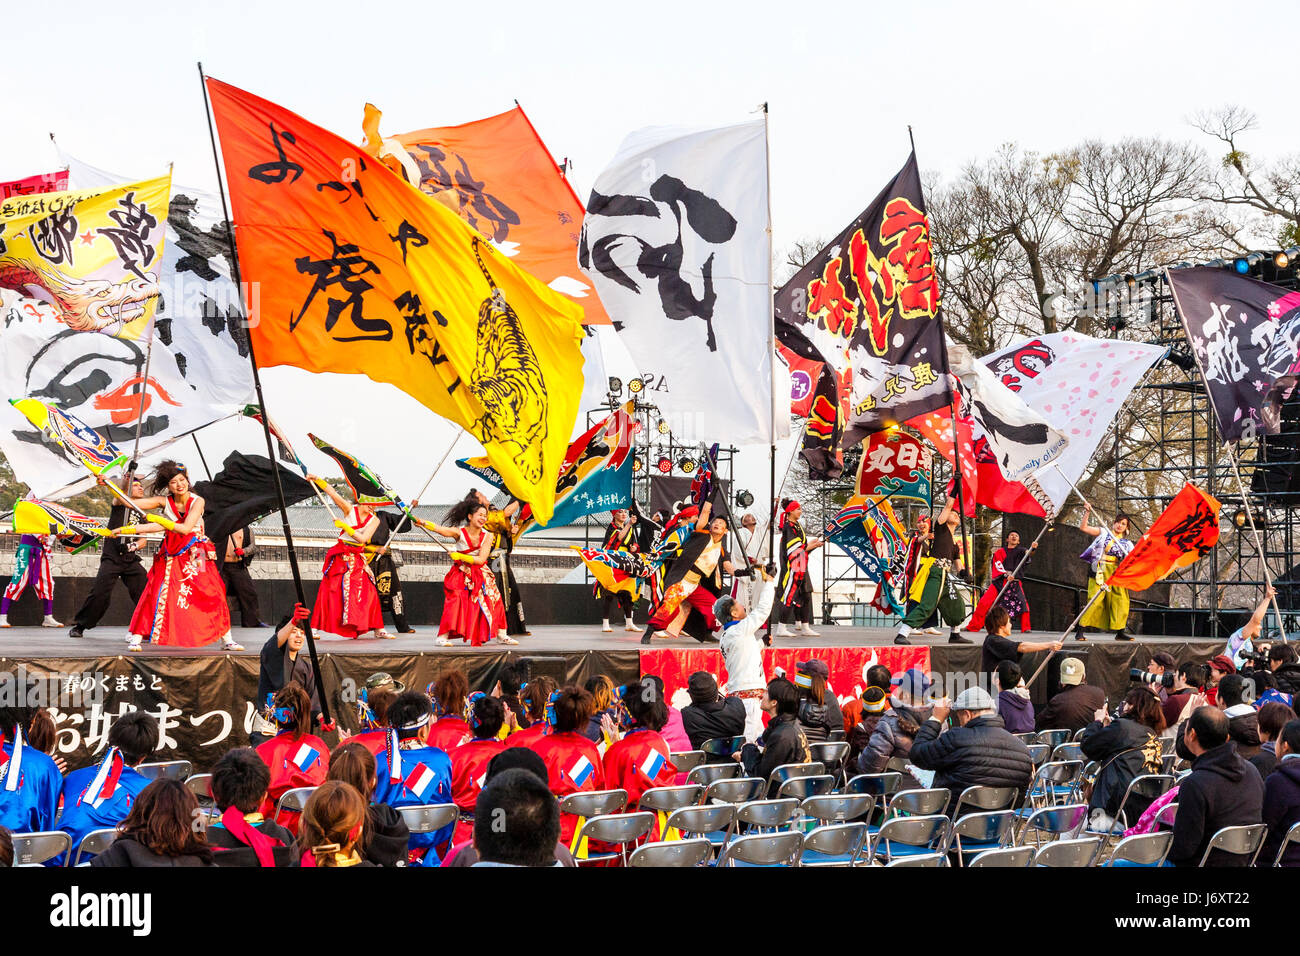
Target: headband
802, 680
474, 722
550, 708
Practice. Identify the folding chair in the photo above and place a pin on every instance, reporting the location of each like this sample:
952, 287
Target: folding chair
977, 833
1168, 762
921, 860
919, 803
169, 769
737, 791
1069, 853
33, 849
1054, 738
711, 822
1038, 753
1239, 841
200, 784
687, 760
1056, 823
909, 836
668, 799
1055, 783
429, 817
792, 771
1292, 836
763, 849
897, 765
1147, 787
767, 816
616, 829
92, 844
678, 853
1068, 751
986, 798
1012, 856
833, 755
1168, 813
839, 807
292, 801
1141, 849
720, 749
1027, 738
835, 844
801, 788
707, 773
593, 803
882, 786
836, 736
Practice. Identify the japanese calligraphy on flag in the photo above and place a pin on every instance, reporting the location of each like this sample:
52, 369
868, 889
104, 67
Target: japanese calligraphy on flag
895, 464
1246, 336
680, 258
1078, 384
870, 303
1184, 533
361, 274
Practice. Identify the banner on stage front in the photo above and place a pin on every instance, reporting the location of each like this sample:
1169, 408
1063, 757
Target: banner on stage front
361, 274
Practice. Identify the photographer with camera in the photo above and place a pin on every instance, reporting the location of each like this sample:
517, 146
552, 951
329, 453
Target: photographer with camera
1189, 682
1159, 674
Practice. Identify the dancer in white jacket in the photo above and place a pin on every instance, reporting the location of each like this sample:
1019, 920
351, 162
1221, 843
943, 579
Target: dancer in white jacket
742, 648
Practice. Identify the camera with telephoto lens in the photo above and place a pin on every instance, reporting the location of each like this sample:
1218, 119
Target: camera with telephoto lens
1258, 658
1165, 680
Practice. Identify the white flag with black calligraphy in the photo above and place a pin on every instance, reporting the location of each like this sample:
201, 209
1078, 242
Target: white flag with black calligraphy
675, 241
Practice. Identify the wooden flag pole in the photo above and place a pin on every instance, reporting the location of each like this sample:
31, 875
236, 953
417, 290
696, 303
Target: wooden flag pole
1236, 471
771, 351
261, 401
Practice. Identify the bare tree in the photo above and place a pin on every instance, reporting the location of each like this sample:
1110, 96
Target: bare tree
1271, 192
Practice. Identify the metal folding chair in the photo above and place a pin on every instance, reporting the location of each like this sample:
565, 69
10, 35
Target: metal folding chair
200, 784
1141, 849
763, 849
833, 755
1054, 738
1055, 783
92, 844
720, 749
429, 817
1292, 836
687, 760
33, 849
1069, 853
292, 801
711, 822
801, 788
1068, 751
617, 829
169, 769
1055, 823
668, 799
919, 803
678, 853
737, 791
986, 798
977, 833
909, 836
921, 861
839, 807
1239, 841
708, 773
1038, 753
835, 844
1012, 856
593, 803
767, 816
1147, 787
882, 786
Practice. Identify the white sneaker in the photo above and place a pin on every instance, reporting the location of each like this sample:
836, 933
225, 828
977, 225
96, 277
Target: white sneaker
783, 631
628, 625
50, 622
134, 642
228, 644
807, 631
605, 628
933, 632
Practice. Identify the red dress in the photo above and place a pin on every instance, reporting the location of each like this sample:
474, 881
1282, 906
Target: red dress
184, 600
347, 603
572, 765
447, 733
469, 763
471, 604
294, 762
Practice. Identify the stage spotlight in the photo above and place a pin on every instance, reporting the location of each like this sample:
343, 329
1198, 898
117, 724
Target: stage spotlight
635, 386
615, 385
663, 426
1239, 518
1281, 260
637, 463
665, 465
687, 465
1241, 265
1182, 360
744, 498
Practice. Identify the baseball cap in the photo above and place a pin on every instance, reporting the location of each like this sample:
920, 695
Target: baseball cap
973, 698
1071, 671
913, 682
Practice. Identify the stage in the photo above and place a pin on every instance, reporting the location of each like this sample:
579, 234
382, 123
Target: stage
204, 697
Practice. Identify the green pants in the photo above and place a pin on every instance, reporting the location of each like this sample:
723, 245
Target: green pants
938, 592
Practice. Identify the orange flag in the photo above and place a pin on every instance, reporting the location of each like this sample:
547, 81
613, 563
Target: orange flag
1184, 533
498, 175
350, 270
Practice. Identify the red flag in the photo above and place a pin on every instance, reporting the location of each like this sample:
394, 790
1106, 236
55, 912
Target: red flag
1184, 533
804, 374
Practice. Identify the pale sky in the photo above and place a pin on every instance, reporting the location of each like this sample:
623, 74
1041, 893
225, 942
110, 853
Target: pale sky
118, 84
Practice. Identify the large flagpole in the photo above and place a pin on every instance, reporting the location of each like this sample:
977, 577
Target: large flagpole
1236, 471
261, 401
771, 349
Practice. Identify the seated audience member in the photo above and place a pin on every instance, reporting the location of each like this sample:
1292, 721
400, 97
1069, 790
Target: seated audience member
1272, 718
511, 758
1123, 748
6, 849
507, 691
640, 758
450, 692
373, 708
536, 694
411, 773
295, 757
741, 644
872, 705
1161, 663
819, 710
897, 726
1281, 809
30, 781
100, 796
709, 715
1219, 667
977, 752
604, 703
877, 676
43, 734
674, 730
573, 763
1189, 679
1014, 706
1243, 719
516, 822
282, 660
333, 826
487, 715
999, 645
387, 834
243, 837
783, 741
1222, 790
159, 831
1285, 667
1073, 706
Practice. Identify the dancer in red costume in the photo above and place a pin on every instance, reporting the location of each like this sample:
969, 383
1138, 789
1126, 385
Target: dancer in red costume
347, 603
184, 600
472, 608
